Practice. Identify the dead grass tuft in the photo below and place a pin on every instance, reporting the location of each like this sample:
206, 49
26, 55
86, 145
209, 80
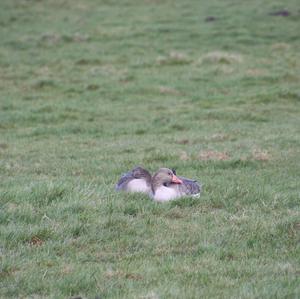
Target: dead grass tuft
168, 90
183, 141
222, 57
36, 241
213, 155
52, 39
256, 72
121, 274
151, 295
67, 269
173, 57
260, 155
280, 46
219, 137
184, 156
175, 213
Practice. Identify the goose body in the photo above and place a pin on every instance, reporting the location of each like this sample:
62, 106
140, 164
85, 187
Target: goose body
164, 193
167, 186
136, 180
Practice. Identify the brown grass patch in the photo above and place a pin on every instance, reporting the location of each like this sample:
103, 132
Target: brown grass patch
120, 274
261, 155
222, 57
219, 137
51, 38
280, 46
183, 141
3, 146
225, 69
151, 295
168, 90
67, 269
184, 156
256, 72
176, 213
36, 241
173, 57
213, 155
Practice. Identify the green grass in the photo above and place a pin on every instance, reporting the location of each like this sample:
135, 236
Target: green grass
89, 89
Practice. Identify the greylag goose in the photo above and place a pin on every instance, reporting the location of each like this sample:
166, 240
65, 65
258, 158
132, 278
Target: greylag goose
136, 180
167, 186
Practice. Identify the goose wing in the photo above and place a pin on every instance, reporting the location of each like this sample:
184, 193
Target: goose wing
124, 180
189, 186
136, 173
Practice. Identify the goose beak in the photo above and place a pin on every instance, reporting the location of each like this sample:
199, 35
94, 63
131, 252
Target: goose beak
176, 180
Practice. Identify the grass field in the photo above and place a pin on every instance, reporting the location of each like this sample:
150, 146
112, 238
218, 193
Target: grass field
89, 89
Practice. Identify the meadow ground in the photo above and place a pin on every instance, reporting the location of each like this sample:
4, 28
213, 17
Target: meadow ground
89, 89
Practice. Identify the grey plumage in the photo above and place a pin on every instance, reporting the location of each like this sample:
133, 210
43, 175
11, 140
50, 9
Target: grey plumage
136, 173
188, 186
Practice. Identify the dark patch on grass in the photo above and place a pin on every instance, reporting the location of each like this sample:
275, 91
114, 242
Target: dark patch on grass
43, 83
210, 19
226, 256
183, 141
128, 150
78, 230
131, 210
178, 127
93, 87
280, 13
140, 131
86, 61
36, 241
291, 95
175, 213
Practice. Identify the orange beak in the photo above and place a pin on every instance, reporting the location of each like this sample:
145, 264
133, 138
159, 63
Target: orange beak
176, 180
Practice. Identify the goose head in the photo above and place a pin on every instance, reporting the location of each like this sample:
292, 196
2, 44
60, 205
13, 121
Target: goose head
162, 181
164, 177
